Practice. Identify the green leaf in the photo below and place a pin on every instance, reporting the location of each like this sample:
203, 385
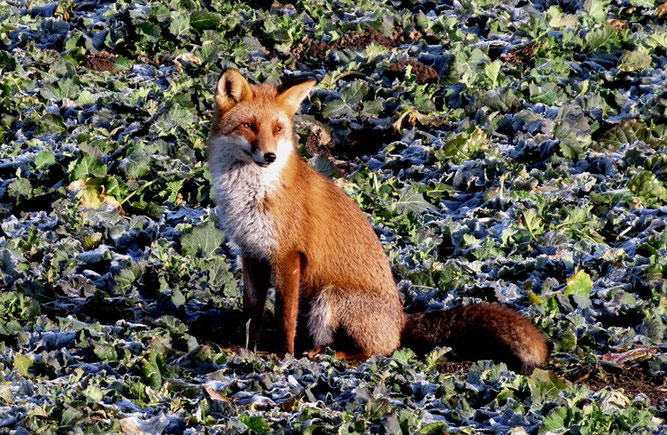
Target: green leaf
601, 36
254, 424
373, 108
70, 415
492, 70
503, 99
179, 116
470, 240
122, 63
50, 124
44, 158
138, 391
177, 298
93, 393
657, 40
336, 108
202, 20
136, 165
597, 9
411, 201
86, 97
105, 352
403, 356
556, 420
150, 31
62, 89
151, 371
647, 186
565, 341
180, 26
637, 60
648, 4
7, 62
557, 19
625, 133
532, 223
546, 93
579, 284
355, 92
324, 166
463, 146
87, 167
20, 187
571, 145
436, 355
6, 396
22, 364
220, 278
202, 241
125, 279
544, 385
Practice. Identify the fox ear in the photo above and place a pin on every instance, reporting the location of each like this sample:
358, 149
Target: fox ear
292, 97
232, 88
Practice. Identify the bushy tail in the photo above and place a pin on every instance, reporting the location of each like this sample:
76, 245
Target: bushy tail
481, 331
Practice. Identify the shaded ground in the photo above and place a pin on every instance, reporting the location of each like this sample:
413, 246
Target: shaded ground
632, 379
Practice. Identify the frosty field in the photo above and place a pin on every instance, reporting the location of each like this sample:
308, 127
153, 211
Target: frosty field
504, 151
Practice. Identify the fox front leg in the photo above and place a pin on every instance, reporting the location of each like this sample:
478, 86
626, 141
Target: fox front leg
287, 275
256, 283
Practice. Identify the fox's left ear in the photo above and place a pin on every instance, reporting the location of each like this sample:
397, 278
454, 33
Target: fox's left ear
292, 97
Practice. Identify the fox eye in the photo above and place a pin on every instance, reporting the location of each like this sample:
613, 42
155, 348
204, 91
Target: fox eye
249, 125
277, 129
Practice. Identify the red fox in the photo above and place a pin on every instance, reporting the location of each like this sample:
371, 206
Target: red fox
298, 232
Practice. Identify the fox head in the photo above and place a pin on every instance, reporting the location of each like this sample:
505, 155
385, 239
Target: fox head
254, 122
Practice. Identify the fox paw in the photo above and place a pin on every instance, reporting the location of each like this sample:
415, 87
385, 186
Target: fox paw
317, 353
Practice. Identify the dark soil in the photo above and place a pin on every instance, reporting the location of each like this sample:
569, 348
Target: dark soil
314, 145
423, 73
99, 62
632, 379
523, 55
356, 40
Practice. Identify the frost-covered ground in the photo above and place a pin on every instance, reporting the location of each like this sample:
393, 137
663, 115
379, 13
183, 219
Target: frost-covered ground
505, 151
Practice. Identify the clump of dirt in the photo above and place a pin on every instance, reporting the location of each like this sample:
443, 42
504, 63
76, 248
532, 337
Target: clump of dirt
316, 145
522, 55
99, 62
423, 73
364, 140
356, 40
632, 379
297, 50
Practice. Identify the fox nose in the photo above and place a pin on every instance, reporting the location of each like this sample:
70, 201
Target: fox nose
270, 157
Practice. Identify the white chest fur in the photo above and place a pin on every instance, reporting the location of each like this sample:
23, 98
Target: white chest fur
239, 188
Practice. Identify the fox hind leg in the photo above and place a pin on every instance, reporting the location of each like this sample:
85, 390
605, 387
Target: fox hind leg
373, 321
363, 322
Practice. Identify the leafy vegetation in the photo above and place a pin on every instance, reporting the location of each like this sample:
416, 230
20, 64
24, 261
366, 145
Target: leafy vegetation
512, 152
